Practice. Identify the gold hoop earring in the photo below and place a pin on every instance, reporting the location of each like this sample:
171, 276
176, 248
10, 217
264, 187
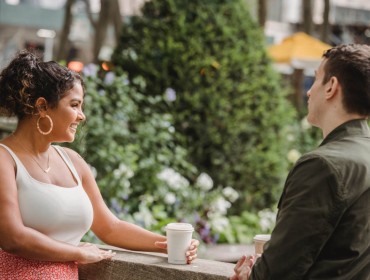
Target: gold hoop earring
38, 125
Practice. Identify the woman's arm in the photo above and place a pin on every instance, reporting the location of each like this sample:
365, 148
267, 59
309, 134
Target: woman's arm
106, 225
26, 242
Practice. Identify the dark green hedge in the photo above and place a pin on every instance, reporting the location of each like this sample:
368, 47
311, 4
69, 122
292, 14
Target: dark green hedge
209, 57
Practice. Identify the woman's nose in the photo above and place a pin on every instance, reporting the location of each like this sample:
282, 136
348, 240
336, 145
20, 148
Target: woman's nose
81, 116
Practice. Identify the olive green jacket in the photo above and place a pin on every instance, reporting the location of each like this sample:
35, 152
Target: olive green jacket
323, 225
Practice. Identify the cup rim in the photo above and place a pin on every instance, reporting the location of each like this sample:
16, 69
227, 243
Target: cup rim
262, 237
179, 227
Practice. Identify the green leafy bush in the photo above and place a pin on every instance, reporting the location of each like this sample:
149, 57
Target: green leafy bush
141, 171
208, 58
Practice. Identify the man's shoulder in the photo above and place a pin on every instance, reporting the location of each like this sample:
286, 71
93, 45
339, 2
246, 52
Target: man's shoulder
322, 159
347, 149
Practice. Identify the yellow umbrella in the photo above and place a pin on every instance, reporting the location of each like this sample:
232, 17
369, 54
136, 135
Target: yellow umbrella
299, 46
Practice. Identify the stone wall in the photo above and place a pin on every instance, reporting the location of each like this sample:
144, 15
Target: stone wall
153, 266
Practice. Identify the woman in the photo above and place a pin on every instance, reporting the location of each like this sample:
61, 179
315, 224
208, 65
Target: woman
48, 195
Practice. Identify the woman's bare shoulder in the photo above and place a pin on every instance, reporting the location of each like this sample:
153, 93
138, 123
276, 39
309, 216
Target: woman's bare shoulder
76, 158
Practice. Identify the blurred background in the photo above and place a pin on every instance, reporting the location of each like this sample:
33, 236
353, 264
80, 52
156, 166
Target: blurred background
196, 109
65, 29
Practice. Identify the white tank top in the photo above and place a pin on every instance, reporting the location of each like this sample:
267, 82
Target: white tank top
64, 214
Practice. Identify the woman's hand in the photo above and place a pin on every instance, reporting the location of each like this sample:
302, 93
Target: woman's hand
243, 268
91, 253
191, 253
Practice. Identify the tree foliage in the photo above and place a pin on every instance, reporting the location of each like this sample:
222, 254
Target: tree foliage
226, 99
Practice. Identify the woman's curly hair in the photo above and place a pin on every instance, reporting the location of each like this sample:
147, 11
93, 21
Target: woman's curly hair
26, 79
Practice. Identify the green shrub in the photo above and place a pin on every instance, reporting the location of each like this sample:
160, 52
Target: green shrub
141, 171
208, 58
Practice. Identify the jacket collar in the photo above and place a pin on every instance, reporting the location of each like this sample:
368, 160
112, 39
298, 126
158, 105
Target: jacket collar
352, 127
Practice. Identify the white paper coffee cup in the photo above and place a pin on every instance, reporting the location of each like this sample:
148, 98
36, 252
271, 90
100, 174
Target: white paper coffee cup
179, 237
259, 242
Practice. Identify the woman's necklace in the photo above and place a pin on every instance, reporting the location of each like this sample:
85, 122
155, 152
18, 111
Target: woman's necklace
32, 157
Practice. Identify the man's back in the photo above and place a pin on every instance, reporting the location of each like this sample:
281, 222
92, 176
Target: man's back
346, 254
323, 225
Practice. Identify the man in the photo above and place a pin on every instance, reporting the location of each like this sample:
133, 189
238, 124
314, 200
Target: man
323, 225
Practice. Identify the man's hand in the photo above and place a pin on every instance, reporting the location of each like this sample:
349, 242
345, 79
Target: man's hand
243, 268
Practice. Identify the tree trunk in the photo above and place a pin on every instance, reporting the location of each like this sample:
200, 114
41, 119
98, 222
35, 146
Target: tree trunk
298, 94
262, 12
101, 28
307, 16
64, 43
325, 24
89, 13
109, 13
116, 18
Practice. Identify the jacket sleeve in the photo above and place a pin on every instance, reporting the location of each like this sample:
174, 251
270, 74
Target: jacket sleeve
309, 209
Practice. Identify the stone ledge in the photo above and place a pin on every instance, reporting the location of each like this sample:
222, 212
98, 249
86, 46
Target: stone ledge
230, 253
153, 266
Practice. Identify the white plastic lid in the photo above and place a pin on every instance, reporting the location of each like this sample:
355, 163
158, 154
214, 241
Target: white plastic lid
262, 237
180, 227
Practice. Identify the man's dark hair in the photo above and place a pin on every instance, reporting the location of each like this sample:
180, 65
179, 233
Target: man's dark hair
350, 64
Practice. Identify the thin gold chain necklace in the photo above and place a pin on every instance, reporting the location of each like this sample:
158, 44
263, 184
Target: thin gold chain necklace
32, 157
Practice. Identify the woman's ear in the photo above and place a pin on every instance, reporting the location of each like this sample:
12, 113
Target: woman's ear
331, 87
41, 106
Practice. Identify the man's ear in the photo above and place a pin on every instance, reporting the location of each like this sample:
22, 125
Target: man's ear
332, 87
41, 105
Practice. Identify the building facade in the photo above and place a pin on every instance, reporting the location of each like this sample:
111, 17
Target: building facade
349, 20
22, 20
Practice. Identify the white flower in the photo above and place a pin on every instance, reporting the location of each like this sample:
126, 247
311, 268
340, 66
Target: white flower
219, 224
109, 78
126, 184
144, 216
126, 170
93, 171
221, 205
147, 198
290, 137
174, 180
204, 182
123, 171
164, 174
267, 219
170, 94
170, 198
293, 155
305, 124
230, 194
133, 54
